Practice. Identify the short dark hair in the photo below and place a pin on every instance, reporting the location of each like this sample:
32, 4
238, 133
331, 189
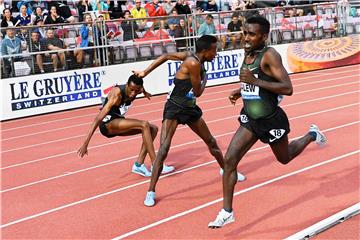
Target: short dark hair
136, 80
204, 42
262, 22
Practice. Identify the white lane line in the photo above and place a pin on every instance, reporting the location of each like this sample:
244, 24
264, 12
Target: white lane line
138, 106
172, 147
143, 113
181, 214
68, 138
134, 157
183, 127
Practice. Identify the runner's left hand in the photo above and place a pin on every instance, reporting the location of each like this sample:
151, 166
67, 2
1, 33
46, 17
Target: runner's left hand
247, 76
147, 95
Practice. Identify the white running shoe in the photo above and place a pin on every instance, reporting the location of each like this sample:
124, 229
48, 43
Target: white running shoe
222, 219
150, 199
320, 137
142, 170
166, 169
240, 177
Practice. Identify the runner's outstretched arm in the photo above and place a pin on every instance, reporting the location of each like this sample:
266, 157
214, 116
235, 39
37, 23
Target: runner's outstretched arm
112, 97
179, 56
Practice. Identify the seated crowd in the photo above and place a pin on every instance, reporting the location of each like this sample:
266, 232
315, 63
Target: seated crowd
43, 25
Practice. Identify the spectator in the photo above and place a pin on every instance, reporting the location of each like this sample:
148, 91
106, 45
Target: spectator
199, 18
115, 9
54, 17
102, 7
237, 5
154, 9
23, 18
27, 4
180, 32
182, 7
139, 12
101, 35
250, 4
129, 27
54, 43
173, 21
10, 45
3, 6
208, 27
36, 46
63, 10
87, 36
41, 30
7, 20
202, 5
83, 6
234, 26
168, 6
38, 13
212, 7
223, 5
24, 37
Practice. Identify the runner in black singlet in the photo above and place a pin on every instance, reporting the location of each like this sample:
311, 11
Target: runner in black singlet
112, 122
263, 80
181, 108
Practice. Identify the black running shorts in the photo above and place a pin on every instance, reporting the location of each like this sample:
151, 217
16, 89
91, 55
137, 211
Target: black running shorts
268, 130
184, 115
104, 122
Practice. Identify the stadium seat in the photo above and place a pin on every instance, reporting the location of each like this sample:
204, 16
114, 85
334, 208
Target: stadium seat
170, 47
286, 36
131, 53
298, 35
158, 49
145, 51
308, 33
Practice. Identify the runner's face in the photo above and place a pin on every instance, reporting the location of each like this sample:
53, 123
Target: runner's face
132, 90
210, 54
253, 38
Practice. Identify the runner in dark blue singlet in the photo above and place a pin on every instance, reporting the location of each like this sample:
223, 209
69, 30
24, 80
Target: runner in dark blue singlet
263, 80
190, 81
112, 122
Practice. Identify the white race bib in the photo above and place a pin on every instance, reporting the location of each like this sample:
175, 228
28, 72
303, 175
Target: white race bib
249, 91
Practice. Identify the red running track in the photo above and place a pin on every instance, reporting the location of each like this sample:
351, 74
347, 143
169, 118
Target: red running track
48, 192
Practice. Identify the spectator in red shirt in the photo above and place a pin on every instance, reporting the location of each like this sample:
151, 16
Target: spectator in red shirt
154, 9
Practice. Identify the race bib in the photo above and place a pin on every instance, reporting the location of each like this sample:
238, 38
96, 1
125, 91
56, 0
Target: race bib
249, 91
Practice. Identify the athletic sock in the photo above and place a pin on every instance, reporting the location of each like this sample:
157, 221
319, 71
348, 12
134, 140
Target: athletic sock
313, 135
227, 210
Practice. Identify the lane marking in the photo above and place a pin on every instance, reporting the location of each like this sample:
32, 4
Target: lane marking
82, 135
173, 173
235, 194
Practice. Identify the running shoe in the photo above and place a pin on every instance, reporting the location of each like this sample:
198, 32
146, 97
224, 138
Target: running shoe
149, 199
240, 177
222, 219
320, 137
166, 169
142, 170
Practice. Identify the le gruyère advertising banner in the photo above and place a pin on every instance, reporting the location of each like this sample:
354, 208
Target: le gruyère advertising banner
37, 94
